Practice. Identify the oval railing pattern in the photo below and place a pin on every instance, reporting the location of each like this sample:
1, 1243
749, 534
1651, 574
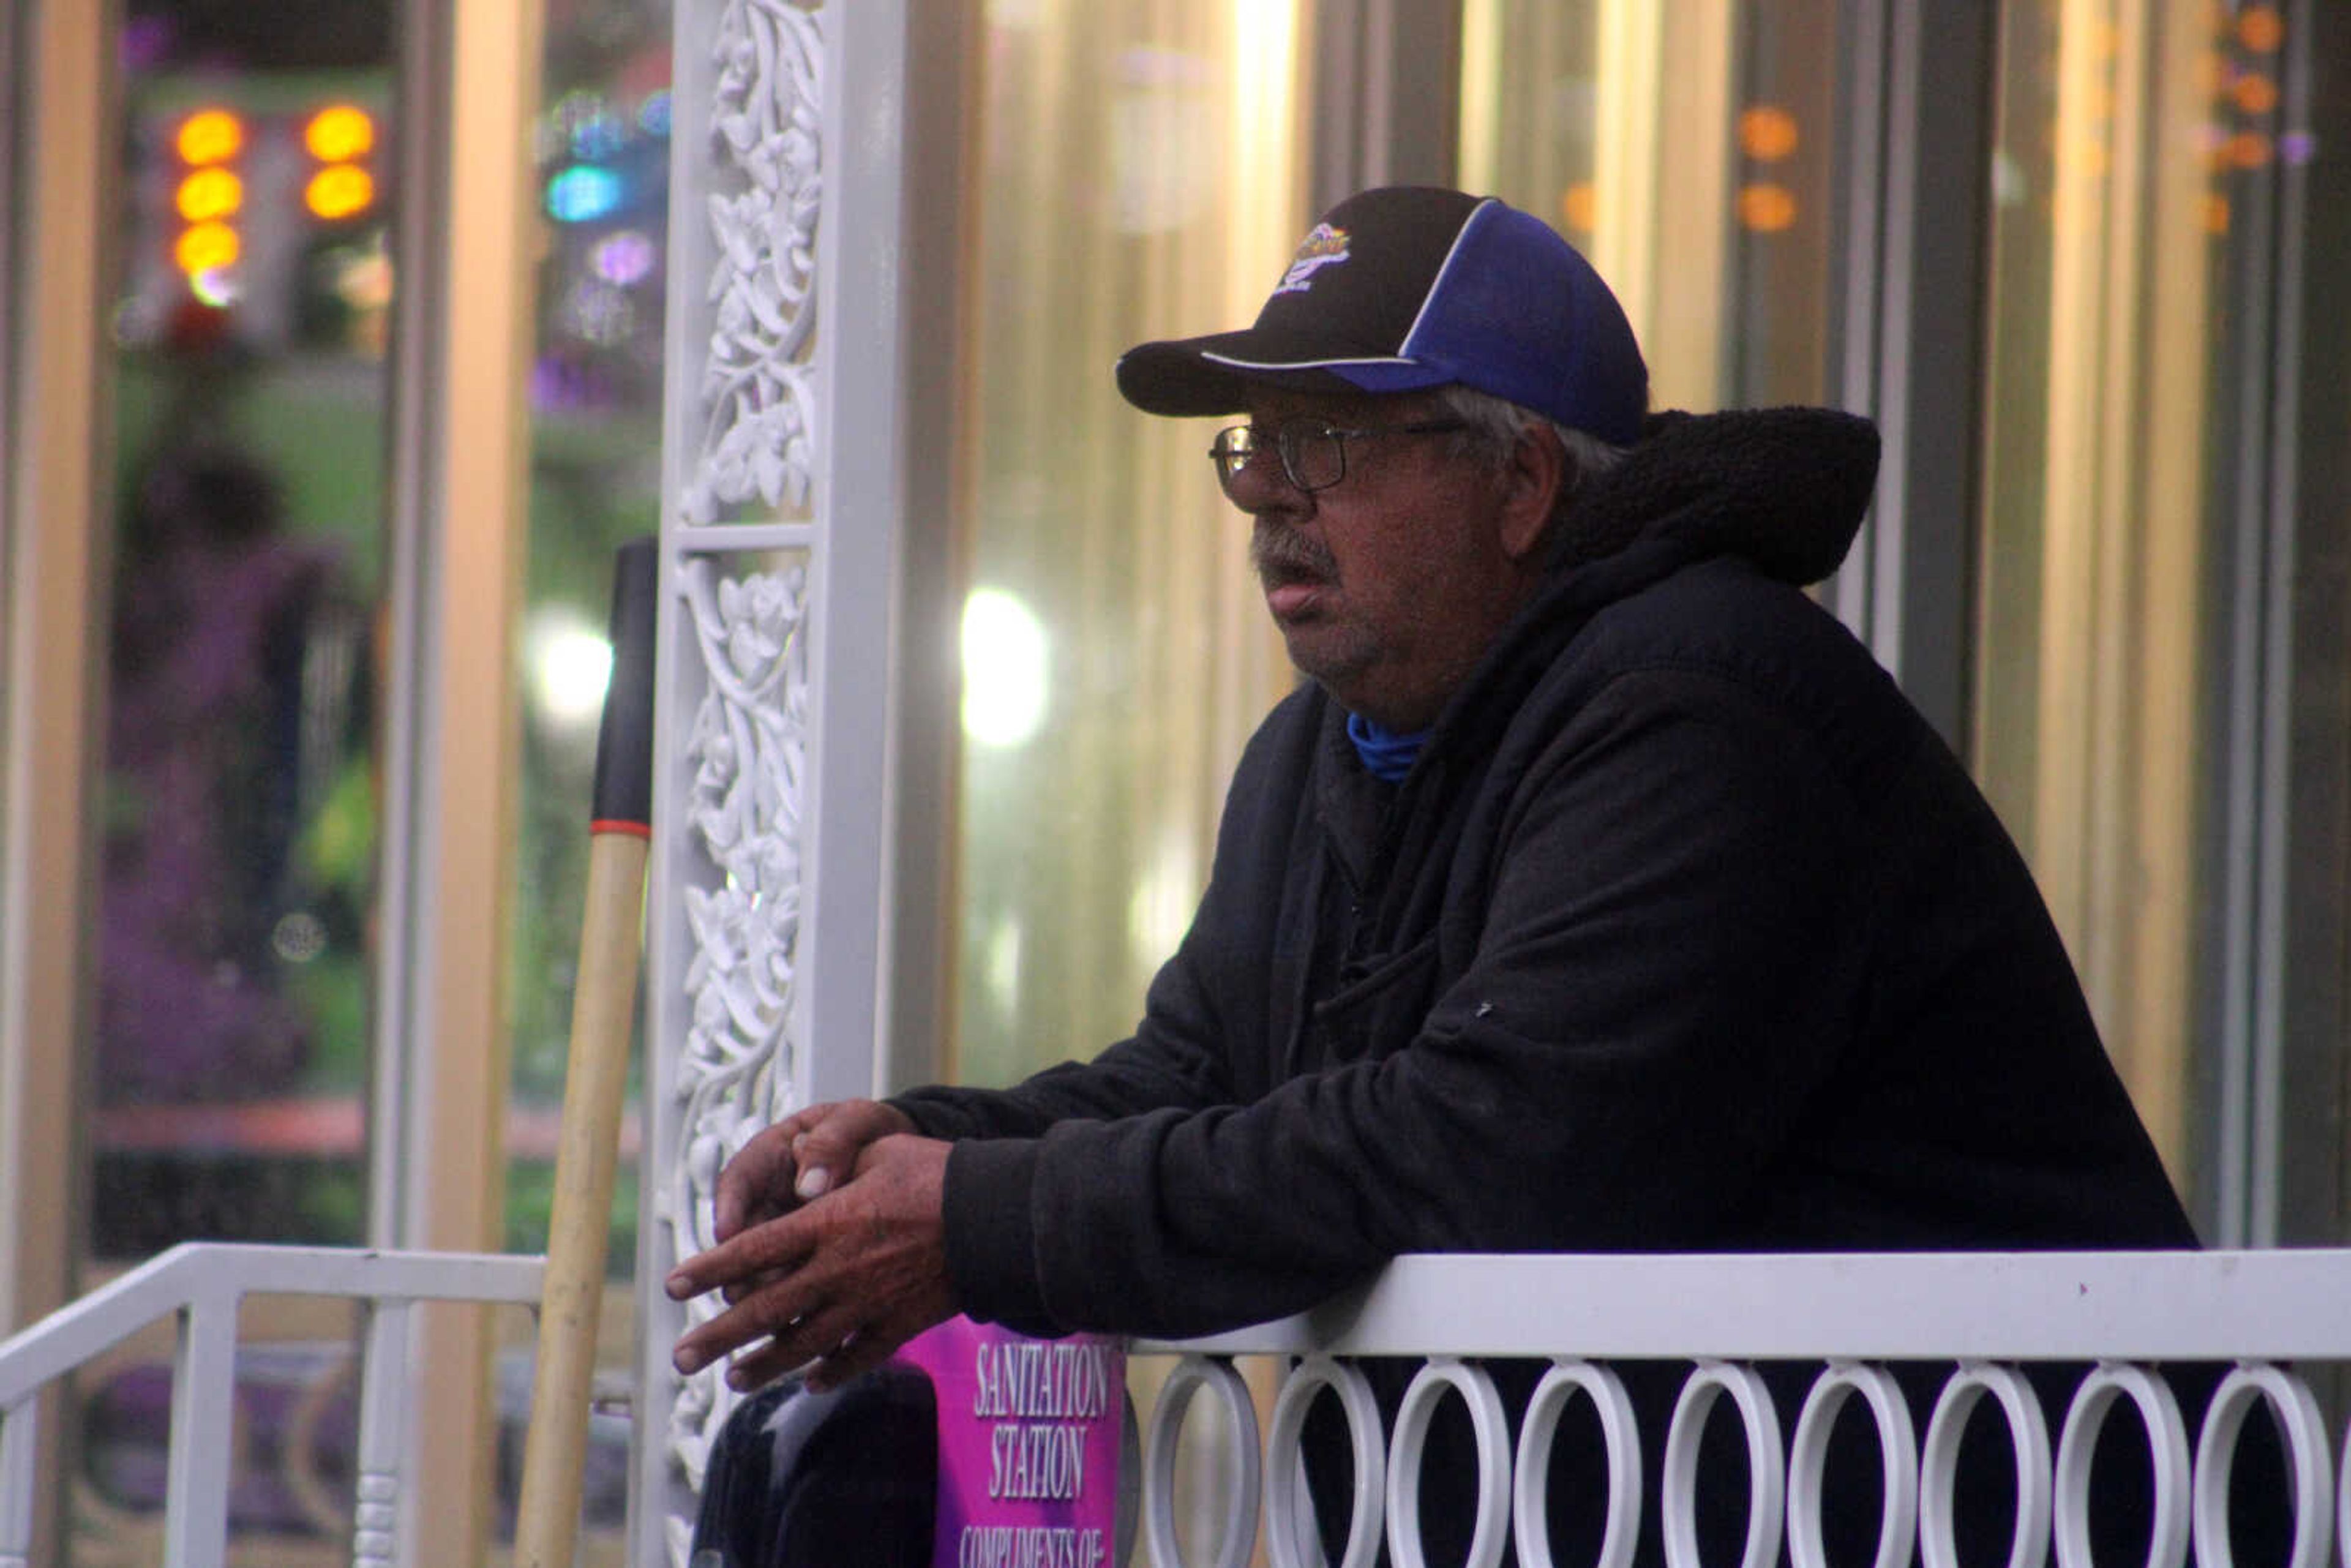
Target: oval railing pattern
1986, 1316
2271, 1317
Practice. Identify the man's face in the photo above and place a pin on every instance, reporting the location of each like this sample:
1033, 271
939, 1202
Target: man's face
1389, 585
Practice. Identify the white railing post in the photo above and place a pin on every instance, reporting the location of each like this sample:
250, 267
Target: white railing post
1620, 1438
1284, 1528
203, 1284
1766, 1472
1492, 1425
19, 1449
204, 1412
383, 1428
1897, 1451
1217, 1376
2309, 1467
2167, 1440
2028, 1440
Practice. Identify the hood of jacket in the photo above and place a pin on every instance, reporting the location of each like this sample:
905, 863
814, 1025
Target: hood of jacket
1786, 488
1783, 488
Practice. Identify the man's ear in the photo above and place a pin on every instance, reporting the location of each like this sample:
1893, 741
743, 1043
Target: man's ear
1539, 473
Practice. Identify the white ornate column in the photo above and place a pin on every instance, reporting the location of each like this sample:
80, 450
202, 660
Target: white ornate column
784, 498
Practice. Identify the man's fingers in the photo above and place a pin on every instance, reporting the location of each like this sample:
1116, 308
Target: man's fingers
737, 1291
798, 1345
863, 1351
757, 1183
825, 1150
768, 1251
753, 1185
841, 1282
777, 1312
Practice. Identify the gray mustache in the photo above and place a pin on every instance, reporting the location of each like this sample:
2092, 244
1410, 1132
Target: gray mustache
1280, 554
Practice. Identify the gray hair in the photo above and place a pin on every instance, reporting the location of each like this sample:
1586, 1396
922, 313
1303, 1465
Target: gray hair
1496, 423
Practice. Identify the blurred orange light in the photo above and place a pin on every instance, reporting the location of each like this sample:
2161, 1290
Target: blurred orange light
209, 192
1579, 206
342, 190
2216, 214
1767, 132
2248, 150
1767, 208
207, 248
210, 136
2255, 93
2261, 29
338, 134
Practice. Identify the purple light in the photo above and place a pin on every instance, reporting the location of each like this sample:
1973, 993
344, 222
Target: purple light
2298, 147
145, 43
624, 257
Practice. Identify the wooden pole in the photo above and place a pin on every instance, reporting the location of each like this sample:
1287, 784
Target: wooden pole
603, 1009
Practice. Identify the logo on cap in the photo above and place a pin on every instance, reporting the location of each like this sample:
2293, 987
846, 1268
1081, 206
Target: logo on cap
1325, 245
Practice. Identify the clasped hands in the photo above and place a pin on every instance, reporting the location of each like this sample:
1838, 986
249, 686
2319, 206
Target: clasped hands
832, 1248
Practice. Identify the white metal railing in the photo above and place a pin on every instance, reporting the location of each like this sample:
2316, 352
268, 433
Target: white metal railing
202, 1284
1984, 1313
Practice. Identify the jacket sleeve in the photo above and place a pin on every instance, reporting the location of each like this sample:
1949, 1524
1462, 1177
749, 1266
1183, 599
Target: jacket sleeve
1172, 1066
1654, 990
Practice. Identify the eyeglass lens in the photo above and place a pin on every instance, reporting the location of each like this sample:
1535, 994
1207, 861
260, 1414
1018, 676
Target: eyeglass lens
1313, 456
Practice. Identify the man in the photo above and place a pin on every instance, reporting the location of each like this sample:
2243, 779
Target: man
1600, 892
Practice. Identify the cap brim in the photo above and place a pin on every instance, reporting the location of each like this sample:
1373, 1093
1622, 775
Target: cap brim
1211, 375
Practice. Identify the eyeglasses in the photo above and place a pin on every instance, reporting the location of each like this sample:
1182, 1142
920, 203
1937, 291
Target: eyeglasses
1314, 452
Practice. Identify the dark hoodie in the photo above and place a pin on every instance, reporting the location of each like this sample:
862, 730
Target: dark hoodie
1685, 933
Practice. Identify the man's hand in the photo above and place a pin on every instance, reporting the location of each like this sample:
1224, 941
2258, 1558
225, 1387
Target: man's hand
798, 1159
841, 1277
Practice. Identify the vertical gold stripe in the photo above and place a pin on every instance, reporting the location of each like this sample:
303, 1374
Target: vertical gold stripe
2069, 495
53, 660
2167, 653
479, 517
1683, 337
1481, 93
54, 655
2123, 498
1624, 139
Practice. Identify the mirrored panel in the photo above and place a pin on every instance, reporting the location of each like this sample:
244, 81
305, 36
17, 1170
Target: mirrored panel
1137, 174
243, 674
1688, 148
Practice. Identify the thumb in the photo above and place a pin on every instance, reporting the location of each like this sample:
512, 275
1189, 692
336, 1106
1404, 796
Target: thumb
810, 1156
826, 1152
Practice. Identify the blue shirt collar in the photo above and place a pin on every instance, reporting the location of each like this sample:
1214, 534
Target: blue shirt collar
1386, 755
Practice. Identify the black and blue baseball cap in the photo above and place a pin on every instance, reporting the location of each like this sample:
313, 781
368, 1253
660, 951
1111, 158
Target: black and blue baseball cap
1411, 287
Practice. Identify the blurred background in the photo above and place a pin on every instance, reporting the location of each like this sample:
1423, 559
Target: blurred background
2123, 600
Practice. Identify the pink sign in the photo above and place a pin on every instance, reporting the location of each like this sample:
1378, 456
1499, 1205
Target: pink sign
1029, 1435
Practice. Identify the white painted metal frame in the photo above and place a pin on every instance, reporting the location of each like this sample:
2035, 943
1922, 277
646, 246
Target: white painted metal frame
783, 502
203, 1284
1984, 1313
